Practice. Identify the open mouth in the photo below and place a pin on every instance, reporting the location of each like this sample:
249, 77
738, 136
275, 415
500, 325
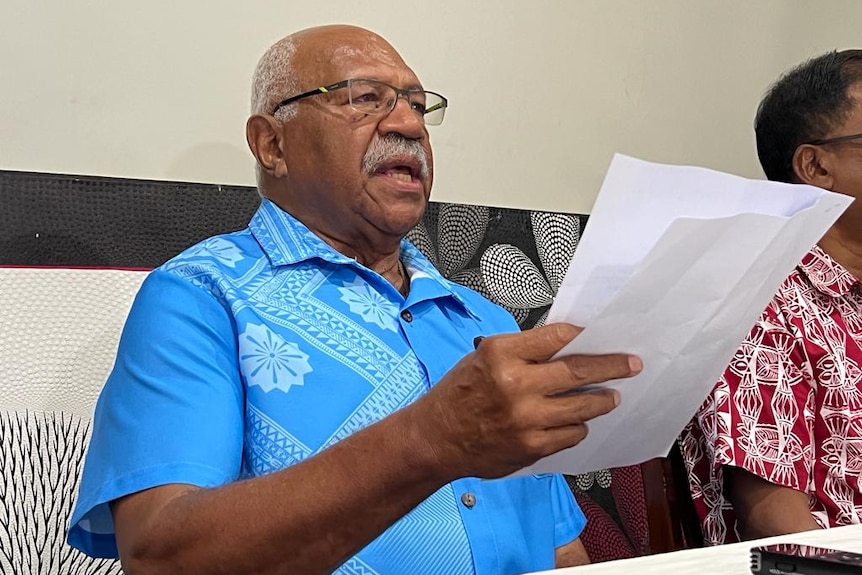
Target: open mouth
401, 169
401, 173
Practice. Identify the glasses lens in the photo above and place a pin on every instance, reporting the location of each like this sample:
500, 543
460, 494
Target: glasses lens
370, 97
435, 108
375, 97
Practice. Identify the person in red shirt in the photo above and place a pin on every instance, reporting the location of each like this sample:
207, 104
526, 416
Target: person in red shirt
777, 446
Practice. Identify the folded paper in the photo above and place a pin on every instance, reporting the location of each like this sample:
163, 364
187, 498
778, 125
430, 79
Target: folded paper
675, 265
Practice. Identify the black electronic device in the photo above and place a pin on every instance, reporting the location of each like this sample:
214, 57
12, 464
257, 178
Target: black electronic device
798, 559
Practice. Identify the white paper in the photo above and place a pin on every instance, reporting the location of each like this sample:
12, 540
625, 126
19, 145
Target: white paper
675, 265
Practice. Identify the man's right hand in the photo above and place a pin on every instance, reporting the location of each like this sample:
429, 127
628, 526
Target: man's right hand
505, 406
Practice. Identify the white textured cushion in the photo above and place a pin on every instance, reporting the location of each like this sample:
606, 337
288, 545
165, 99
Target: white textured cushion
59, 330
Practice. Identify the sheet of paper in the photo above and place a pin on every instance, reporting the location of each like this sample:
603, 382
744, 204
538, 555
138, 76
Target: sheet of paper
675, 265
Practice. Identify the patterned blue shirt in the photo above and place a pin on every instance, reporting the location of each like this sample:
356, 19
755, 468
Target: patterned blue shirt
252, 351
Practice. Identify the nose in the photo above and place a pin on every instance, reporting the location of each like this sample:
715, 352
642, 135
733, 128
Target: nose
403, 120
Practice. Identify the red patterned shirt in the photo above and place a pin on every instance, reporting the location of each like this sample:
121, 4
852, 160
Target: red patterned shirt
788, 407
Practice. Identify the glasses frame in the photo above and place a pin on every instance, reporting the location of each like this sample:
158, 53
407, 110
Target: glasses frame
836, 140
444, 102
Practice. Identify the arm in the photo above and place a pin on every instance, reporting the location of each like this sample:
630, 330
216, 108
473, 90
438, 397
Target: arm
571, 554
495, 412
764, 509
326, 507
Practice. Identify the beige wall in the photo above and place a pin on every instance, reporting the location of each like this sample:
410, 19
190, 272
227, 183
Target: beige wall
542, 92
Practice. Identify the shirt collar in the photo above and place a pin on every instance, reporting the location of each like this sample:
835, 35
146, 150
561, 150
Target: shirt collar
426, 282
825, 274
286, 241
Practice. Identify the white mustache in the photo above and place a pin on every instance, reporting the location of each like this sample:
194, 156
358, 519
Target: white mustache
390, 146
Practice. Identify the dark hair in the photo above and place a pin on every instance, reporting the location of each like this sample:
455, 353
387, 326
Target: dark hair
803, 105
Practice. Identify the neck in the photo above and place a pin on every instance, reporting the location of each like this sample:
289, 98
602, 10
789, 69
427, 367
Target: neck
392, 271
385, 260
398, 277
845, 248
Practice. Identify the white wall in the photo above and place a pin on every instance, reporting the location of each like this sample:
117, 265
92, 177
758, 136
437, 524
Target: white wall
542, 92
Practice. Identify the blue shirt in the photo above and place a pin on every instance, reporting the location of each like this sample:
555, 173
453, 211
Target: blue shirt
252, 351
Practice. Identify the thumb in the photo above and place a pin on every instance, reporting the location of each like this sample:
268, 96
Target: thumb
541, 343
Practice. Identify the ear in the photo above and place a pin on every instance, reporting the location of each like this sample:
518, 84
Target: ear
264, 137
812, 165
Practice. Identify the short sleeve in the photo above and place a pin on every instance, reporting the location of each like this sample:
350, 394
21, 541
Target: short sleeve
171, 410
569, 520
759, 417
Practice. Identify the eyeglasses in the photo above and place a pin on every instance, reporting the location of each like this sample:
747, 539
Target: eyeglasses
373, 97
837, 140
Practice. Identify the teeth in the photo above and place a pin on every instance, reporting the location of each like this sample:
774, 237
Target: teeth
401, 176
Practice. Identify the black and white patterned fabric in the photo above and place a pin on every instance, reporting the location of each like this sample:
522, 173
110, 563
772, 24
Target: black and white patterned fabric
72, 254
42, 454
515, 281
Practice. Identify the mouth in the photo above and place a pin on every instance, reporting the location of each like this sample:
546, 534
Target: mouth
405, 169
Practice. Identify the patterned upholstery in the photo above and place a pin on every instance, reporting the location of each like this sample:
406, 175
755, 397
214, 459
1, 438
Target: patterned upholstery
61, 328
42, 456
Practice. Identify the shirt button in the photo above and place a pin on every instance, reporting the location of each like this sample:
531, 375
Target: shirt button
468, 499
407, 316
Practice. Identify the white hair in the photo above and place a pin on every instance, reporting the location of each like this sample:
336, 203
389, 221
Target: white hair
274, 79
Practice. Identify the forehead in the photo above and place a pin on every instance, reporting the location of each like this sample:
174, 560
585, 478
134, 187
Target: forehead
369, 57
855, 117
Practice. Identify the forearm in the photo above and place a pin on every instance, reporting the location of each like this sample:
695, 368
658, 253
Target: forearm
771, 520
308, 518
571, 554
764, 509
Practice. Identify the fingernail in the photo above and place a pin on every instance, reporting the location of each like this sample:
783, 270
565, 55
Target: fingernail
635, 364
617, 398
477, 340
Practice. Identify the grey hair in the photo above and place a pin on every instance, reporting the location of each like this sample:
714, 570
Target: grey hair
275, 78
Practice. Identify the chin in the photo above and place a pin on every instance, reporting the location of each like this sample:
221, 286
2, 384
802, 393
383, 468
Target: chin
404, 221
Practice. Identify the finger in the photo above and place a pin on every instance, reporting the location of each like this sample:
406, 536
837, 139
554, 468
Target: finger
532, 345
578, 408
574, 371
559, 438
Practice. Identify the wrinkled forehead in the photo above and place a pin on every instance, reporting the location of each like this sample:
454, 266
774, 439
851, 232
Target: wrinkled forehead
353, 57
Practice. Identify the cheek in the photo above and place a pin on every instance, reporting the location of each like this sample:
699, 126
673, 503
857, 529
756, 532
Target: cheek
849, 181
430, 154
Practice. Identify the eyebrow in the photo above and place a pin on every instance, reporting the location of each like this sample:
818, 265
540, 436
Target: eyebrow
411, 86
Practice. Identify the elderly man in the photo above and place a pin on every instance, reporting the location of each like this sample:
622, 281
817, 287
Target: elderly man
303, 396
777, 447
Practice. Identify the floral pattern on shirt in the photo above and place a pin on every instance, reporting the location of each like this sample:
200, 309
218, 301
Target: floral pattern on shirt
369, 305
217, 248
270, 362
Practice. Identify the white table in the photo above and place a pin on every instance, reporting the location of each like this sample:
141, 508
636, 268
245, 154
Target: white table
733, 559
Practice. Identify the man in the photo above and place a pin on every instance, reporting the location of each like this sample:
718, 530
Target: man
777, 447
303, 396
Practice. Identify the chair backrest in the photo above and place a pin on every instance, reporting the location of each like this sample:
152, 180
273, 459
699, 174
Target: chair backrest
72, 255
73, 251
673, 521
